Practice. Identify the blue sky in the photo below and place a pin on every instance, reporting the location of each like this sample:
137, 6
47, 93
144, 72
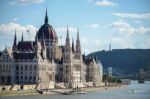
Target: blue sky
124, 23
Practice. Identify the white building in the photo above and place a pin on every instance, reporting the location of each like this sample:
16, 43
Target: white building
44, 62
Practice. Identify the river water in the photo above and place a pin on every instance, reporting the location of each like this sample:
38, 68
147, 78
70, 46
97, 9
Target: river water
141, 91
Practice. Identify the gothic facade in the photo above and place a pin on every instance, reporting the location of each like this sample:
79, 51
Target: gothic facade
43, 62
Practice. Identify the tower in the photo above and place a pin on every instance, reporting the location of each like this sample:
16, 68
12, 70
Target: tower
78, 66
50, 38
67, 65
78, 47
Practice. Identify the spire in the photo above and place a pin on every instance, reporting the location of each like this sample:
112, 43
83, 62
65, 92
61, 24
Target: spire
22, 39
15, 39
46, 17
78, 38
67, 33
78, 47
72, 45
67, 38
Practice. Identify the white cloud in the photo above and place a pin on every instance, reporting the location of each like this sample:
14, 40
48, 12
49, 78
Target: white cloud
125, 28
64, 29
8, 30
133, 15
25, 2
91, 25
105, 3
143, 30
122, 27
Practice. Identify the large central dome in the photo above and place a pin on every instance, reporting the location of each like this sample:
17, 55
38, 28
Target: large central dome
46, 30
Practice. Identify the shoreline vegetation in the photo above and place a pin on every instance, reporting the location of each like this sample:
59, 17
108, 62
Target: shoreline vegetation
59, 91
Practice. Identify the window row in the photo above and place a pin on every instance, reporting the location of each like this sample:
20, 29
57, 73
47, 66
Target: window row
26, 78
4, 67
26, 67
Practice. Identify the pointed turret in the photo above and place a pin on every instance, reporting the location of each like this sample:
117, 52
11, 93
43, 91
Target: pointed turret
72, 45
22, 38
78, 41
67, 34
15, 40
15, 43
78, 38
46, 18
67, 38
78, 47
67, 45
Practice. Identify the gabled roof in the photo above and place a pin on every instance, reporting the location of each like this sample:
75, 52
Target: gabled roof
88, 61
24, 56
26, 45
9, 50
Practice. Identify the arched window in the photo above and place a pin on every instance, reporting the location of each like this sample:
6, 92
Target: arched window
34, 78
6, 67
3, 67
30, 78
30, 67
26, 68
35, 67
17, 67
21, 77
21, 67
26, 77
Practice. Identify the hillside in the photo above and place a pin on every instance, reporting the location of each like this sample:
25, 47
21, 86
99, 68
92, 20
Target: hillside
128, 61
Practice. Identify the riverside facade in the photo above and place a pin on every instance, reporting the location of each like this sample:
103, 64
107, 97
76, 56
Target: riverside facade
48, 65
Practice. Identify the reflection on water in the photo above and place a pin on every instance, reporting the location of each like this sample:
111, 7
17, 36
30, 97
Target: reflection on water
133, 91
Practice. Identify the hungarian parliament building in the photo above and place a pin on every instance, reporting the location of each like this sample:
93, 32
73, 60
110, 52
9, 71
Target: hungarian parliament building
46, 64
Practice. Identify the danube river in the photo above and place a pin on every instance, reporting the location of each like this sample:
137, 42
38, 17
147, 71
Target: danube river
133, 91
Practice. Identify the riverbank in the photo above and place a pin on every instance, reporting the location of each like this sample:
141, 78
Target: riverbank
102, 88
58, 91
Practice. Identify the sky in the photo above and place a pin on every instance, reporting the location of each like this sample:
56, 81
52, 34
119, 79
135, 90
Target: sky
123, 23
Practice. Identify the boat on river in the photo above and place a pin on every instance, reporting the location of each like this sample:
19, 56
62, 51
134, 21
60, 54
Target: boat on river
126, 81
